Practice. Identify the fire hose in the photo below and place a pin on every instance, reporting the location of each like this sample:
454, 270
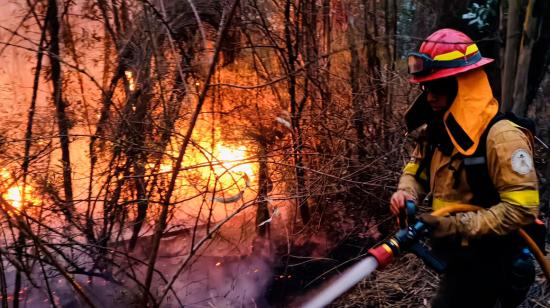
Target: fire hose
533, 247
407, 239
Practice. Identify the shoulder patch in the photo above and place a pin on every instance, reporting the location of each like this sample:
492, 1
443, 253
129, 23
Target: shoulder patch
522, 162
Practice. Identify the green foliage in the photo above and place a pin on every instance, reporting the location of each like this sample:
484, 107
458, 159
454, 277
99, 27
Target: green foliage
479, 15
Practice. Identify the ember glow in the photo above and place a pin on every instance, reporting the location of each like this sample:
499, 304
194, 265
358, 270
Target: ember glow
165, 168
14, 191
231, 161
14, 196
131, 81
232, 173
222, 170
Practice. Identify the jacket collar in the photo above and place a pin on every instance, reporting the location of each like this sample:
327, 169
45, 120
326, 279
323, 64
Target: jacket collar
471, 112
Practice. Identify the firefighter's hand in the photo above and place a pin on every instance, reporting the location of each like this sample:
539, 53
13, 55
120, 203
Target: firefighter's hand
440, 226
397, 201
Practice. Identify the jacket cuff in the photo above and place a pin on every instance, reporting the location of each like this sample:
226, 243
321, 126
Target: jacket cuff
409, 184
500, 219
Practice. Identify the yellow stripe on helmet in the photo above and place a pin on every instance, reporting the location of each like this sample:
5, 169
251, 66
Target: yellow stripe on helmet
453, 55
411, 168
521, 197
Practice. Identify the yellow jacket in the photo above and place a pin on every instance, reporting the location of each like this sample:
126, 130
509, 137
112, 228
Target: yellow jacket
509, 160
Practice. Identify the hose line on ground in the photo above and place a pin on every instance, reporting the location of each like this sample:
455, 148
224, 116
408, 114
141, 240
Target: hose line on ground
544, 265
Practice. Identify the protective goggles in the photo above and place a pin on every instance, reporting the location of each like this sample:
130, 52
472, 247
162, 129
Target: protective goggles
421, 64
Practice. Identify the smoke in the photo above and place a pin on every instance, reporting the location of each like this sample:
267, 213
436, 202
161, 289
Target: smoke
102, 292
208, 281
222, 280
226, 282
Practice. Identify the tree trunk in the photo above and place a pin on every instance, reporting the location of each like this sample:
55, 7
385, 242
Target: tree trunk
325, 76
531, 31
357, 99
390, 33
262, 212
62, 119
513, 33
301, 201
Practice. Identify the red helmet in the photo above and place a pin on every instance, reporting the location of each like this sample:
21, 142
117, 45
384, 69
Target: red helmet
444, 53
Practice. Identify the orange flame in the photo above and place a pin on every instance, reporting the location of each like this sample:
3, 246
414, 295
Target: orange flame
131, 81
14, 193
232, 173
222, 169
231, 159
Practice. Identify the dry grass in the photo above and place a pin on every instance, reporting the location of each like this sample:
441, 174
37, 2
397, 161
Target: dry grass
404, 283
409, 283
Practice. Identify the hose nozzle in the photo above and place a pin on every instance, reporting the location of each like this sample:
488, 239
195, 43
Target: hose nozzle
407, 239
402, 240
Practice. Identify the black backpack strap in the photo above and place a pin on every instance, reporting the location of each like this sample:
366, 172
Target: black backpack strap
475, 165
521, 121
477, 171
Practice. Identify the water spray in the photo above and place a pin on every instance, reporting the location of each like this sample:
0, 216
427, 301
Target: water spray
407, 239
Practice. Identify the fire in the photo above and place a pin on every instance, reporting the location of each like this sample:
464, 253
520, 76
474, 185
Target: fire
232, 174
165, 168
225, 171
14, 193
131, 82
232, 160
14, 196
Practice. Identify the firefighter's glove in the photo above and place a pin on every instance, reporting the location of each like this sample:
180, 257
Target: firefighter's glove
440, 226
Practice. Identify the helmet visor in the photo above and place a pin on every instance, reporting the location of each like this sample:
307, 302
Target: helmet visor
418, 64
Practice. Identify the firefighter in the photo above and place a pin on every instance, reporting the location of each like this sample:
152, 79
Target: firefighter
466, 157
